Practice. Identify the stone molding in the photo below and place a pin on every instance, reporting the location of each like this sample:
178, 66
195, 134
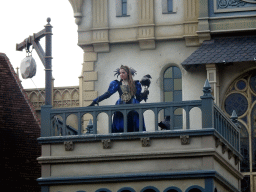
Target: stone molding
146, 34
62, 97
106, 143
145, 142
100, 36
191, 12
141, 156
229, 6
69, 145
185, 140
203, 21
77, 8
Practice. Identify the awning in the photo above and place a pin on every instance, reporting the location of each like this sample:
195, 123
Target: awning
222, 50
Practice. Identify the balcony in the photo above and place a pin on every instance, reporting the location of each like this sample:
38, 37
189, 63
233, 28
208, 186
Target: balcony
89, 160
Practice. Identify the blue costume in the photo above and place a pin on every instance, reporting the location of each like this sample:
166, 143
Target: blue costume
133, 116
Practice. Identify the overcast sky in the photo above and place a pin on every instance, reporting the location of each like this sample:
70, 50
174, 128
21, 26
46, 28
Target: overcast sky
21, 18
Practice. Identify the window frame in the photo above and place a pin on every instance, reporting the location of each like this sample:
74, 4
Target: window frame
120, 8
165, 7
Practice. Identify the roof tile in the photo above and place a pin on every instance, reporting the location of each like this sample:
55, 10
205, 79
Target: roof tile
231, 49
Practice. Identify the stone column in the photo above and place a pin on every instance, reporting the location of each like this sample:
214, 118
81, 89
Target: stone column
86, 82
146, 30
89, 76
203, 22
100, 26
213, 77
190, 22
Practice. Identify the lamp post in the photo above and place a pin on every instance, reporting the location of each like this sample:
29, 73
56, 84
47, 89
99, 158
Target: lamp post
45, 57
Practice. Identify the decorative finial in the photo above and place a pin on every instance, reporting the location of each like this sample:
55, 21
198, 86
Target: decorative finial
48, 20
207, 84
207, 88
234, 117
89, 127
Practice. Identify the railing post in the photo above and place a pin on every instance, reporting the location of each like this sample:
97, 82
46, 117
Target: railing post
207, 106
89, 127
187, 117
235, 121
79, 123
46, 121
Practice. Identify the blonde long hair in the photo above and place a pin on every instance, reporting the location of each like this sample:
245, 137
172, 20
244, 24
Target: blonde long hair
130, 79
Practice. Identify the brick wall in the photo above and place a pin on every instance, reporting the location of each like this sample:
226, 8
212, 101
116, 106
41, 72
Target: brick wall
19, 130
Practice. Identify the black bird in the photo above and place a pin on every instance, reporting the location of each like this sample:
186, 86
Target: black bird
145, 81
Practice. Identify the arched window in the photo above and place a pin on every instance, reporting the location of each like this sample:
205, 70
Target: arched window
172, 86
241, 97
103, 190
172, 189
195, 190
150, 189
126, 189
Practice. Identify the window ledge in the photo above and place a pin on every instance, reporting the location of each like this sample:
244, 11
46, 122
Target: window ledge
123, 16
169, 12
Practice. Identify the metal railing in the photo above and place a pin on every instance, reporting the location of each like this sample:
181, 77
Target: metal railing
227, 129
212, 117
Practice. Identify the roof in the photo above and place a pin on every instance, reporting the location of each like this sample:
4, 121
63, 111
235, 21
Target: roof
224, 50
5, 64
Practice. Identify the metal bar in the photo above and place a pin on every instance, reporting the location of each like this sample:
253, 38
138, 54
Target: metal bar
30, 39
171, 118
156, 118
39, 51
21, 46
129, 107
64, 124
110, 121
140, 120
79, 123
94, 123
39, 35
187, 118
48, 63
124, 112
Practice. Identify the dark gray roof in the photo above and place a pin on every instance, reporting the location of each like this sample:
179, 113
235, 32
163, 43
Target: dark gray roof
224, 50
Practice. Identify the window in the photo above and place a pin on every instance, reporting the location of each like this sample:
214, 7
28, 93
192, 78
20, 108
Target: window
121, 8
245, 107
172, 86
124, 7
168, 6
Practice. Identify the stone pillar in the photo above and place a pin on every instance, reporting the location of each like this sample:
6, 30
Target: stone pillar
146, 30
203, 22
100, 38
213, 77
86, 82
89, 76
190, 22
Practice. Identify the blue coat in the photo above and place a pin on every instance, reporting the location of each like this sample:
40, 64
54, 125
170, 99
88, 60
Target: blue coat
133, 116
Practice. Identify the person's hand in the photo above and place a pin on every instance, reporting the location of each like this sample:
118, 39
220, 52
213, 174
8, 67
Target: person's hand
92, 104
145, 93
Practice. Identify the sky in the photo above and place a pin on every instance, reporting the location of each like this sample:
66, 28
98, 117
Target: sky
21, 18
